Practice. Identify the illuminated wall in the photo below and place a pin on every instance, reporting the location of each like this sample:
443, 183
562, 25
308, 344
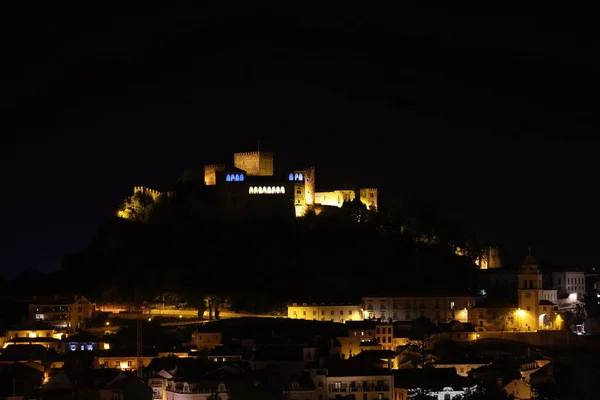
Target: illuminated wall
304, 189
368, 196
489, 259
210, 173
335, 312
335, 198
257, 163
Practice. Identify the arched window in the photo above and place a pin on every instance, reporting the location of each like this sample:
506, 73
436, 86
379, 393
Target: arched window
277, 190
296, 177
269, 190
241, 177
228, 178
251, 190
237, 177
260, 190
300, 177
222, 388
282, 190
291, 177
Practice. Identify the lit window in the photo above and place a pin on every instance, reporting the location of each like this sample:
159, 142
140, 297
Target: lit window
260, 190
299, 177
228, 178
269, 190
282, 190
241, 177
251, 190
237, 177
291, 177
277, 190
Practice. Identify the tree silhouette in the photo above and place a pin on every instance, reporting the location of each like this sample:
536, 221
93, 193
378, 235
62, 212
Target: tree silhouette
591, 301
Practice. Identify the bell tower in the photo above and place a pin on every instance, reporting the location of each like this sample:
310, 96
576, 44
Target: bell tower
530, 294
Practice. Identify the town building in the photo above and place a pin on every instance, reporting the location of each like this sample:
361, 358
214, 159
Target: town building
442, 308
62, 313
570, 285
334, 312
348, 378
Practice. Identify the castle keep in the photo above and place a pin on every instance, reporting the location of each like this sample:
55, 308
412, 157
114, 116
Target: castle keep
251, 187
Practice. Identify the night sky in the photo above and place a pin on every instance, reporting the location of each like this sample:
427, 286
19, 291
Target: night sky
490, 118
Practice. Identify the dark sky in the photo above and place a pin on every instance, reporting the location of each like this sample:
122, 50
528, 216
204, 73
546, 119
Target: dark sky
491, 118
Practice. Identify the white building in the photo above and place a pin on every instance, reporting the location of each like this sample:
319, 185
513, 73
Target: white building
437, 308
334, 312
570, 285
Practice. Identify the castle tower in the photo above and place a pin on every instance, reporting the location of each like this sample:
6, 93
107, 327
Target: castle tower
368, 196
256, 163
530, 294
210, 173
304, 189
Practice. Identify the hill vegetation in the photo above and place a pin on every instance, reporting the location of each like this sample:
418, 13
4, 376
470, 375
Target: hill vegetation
350, 252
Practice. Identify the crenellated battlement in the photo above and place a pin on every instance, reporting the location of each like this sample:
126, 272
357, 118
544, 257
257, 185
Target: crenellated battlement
214, 166
255, 163
155, 194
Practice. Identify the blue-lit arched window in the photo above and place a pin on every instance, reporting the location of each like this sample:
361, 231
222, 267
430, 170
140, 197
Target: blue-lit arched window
299, 177
241, 177
237, 177
296, 177
228, 178
291, 177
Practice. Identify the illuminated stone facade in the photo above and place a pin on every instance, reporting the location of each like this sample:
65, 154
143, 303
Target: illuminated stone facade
210, 173
489, 259
325, 312
256, 163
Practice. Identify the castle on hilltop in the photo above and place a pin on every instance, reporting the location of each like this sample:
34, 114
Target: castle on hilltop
251, 188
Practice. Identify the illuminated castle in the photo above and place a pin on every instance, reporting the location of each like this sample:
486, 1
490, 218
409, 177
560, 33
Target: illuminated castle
251, 189
254, 172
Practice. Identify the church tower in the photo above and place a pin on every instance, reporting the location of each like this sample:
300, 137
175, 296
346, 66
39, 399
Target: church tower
530, 294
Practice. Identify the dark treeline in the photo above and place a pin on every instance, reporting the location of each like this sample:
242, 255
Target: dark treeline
258, 264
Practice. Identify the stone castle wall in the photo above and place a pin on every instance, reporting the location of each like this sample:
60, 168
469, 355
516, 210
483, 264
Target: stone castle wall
256, 163
210, 173
155, 194
368, 196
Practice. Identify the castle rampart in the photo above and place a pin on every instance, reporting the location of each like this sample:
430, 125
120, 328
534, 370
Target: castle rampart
210, 173
155, 194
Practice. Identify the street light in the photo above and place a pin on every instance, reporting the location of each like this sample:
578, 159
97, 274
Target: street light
520, 313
